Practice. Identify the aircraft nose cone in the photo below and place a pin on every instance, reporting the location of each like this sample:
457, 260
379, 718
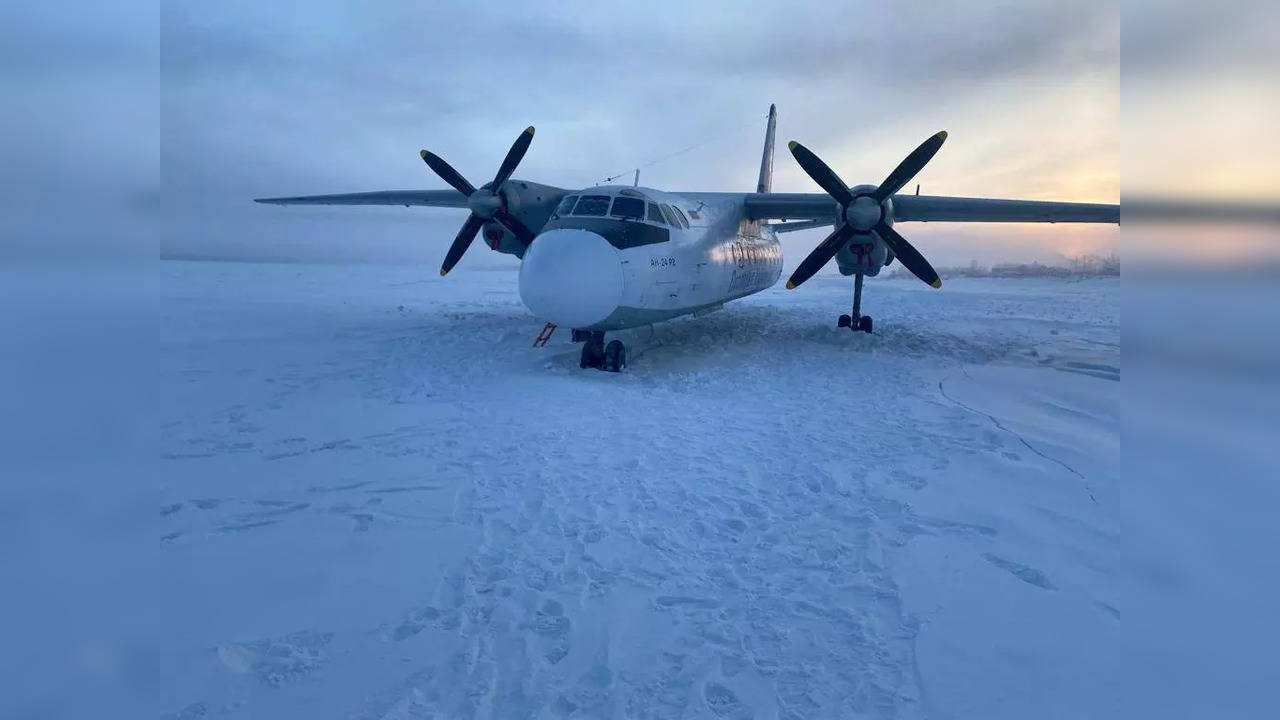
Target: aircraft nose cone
571, 278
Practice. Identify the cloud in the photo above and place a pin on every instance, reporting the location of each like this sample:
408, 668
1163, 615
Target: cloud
284, 98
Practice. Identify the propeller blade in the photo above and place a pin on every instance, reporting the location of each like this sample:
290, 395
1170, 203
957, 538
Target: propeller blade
910, 258
512, 223
821, 174
820, 256
447, 173
513, 158
910, 167
462, 242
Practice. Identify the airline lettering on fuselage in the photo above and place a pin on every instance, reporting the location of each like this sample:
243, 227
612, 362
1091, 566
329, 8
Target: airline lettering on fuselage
755, 266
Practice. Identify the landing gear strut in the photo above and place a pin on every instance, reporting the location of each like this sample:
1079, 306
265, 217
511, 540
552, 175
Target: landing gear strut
856, 321
595, 354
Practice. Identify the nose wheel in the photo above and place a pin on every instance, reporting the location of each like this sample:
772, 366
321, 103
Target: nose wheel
596, 354
863, 323
856, 321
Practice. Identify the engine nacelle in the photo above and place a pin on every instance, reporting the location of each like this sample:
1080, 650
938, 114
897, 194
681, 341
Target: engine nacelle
501, 239
532, 203
866, 252
863, 253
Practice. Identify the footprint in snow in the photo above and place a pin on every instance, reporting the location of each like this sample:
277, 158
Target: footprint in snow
416, 621
1024, 573
278, 660
1108, 608
670, 601
552, 626
722, 701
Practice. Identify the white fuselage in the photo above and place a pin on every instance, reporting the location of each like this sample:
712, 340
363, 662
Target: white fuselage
616, 271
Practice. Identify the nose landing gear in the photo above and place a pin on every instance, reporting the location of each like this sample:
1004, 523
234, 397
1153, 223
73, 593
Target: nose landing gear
856, 321
595, 354
863, 323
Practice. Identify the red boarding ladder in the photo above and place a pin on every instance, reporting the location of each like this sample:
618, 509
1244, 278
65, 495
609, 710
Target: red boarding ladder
545, 335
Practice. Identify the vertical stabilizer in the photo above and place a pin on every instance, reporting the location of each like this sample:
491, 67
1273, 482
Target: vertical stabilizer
766, 161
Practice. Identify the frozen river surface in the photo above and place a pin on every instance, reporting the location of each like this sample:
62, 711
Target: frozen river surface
377, 500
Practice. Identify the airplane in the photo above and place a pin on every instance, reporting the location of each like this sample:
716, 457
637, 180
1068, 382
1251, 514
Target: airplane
613, 257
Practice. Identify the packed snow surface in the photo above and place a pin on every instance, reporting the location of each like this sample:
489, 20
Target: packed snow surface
378, 501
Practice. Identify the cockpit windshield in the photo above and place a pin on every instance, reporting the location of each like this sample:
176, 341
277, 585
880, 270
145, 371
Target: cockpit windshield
655, 215
627, 204
566, 205
623, 217
592, 205
628, 207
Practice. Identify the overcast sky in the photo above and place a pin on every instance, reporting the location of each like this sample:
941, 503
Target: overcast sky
281, 98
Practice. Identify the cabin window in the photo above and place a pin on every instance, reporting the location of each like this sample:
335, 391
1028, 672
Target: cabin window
592, 205
566, 205
684, 221
670, 215
628, 207
655, 215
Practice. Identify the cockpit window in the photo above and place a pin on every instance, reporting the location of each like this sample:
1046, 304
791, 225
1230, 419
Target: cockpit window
566, 205
592, 205
628, 207
655, 215
684, 221
670, 215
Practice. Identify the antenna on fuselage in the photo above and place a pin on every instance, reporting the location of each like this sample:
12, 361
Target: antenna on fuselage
636, 182
664, 158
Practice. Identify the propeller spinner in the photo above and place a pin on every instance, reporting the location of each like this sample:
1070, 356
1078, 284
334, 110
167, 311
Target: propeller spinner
486, 203
864, 213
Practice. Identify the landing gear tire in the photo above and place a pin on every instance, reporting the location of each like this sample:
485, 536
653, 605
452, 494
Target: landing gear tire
592, 353
844, 321
864, 323
595, 354
615, 356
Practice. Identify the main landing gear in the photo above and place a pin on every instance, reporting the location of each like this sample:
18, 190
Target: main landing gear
856, 321
595, 354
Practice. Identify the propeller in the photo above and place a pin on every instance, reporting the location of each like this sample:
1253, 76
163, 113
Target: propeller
486, 202
864, 213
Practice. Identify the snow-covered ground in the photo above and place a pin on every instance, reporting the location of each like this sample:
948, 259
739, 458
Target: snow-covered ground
377, 500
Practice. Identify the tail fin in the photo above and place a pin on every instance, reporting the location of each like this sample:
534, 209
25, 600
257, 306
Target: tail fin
766, 162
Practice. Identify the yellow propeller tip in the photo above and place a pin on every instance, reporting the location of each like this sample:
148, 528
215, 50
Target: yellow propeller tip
936, 284
529, 129
443, 272
792, 145
942, 135
422, 154
791, 285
